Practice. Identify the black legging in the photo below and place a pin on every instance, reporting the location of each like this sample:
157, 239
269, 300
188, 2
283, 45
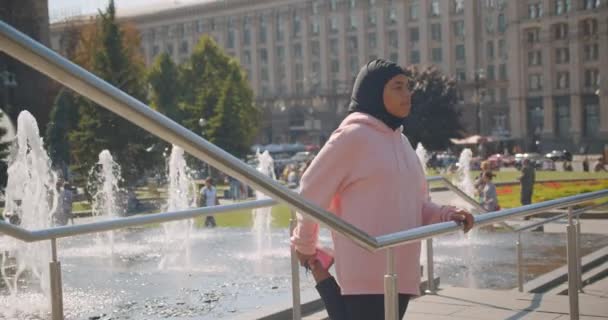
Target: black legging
354, 307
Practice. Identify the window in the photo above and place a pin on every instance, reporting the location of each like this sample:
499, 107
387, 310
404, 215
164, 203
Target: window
436, 31
371, 17
502, 72
280, 54
414, 57
353, 44
246, 37
461, 75
560, 31
562, 116
491, 73
333, 5
591, 52
354, 65
435, 8
437, 55
335, 66
592, 78
392, 15
333, 46
414, 35
562, 6
371, 41
353, 21
459, 28
352, 4
230, 40
458, 6
169, 49
535, 82
592, 4
563, 80
489, 23
279, 27
262, 30
296, 26
246, 57
315, 28
315, 48
393, 39
414, 10
263, 56
155, 50
490, 50
535, 58
394, 57
333, 24
297, 50
591, 116
299, 71
562, 55
183, 48
502, 23
460, 53
533, 35
502, 49
264, 74
589, 27
535, 10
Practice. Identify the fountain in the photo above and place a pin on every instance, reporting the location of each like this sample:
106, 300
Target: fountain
463, 175
262, 217
32, 197
177, 233
422, 156
103, 186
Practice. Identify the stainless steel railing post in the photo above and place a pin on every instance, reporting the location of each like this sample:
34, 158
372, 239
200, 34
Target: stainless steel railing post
520, 263
56, 285
430, 267
391, 300
572, 267
295, 274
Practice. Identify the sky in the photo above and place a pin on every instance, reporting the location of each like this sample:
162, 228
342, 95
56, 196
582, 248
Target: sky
61, 9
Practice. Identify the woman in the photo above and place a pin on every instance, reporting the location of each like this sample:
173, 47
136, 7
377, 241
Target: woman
489, 198
368, 174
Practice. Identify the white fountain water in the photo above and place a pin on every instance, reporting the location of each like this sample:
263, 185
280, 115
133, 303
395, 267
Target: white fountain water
262, 217
103, 184
31, 195
177, 233
422, 156
463, 176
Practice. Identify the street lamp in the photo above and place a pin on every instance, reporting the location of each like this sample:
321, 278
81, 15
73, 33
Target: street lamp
479, 77
202, 123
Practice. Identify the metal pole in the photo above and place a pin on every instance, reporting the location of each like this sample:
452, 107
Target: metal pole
429, 267
56, 290
520, 264
572, 267
295, 274
579, 254
391, 301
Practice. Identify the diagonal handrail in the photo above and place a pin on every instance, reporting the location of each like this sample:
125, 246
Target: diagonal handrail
45, 60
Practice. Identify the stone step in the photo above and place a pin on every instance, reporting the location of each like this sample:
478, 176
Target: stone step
598, 273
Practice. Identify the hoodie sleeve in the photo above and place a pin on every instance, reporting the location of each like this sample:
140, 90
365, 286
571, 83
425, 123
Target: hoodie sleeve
326, 176
434, 213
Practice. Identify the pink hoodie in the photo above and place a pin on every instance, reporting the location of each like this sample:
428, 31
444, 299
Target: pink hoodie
370, 176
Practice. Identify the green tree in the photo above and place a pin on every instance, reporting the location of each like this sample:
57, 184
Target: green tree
63, 119
165, 87
215, 89
434, 119
113, 54
4, 153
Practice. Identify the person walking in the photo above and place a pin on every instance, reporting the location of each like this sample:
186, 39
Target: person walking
208, 198
526, 181
368, 174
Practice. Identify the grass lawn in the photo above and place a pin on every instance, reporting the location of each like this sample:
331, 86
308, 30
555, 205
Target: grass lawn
508, 196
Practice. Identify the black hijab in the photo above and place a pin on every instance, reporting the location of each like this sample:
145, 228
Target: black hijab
367, 96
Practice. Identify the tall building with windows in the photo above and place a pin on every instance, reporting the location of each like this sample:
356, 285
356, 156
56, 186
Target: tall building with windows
527, 70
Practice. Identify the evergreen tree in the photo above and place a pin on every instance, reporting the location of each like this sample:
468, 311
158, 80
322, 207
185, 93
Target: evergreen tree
434, 119
63, 119
165, 87
119, 62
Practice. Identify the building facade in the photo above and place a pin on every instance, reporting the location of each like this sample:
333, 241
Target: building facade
301, 57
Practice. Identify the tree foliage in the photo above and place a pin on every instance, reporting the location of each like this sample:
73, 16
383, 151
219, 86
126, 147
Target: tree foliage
434, 119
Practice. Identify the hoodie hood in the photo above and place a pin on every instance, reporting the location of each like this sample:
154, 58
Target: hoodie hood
369, 121
368, 91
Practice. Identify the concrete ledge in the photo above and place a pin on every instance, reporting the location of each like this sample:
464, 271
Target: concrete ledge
559, 276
